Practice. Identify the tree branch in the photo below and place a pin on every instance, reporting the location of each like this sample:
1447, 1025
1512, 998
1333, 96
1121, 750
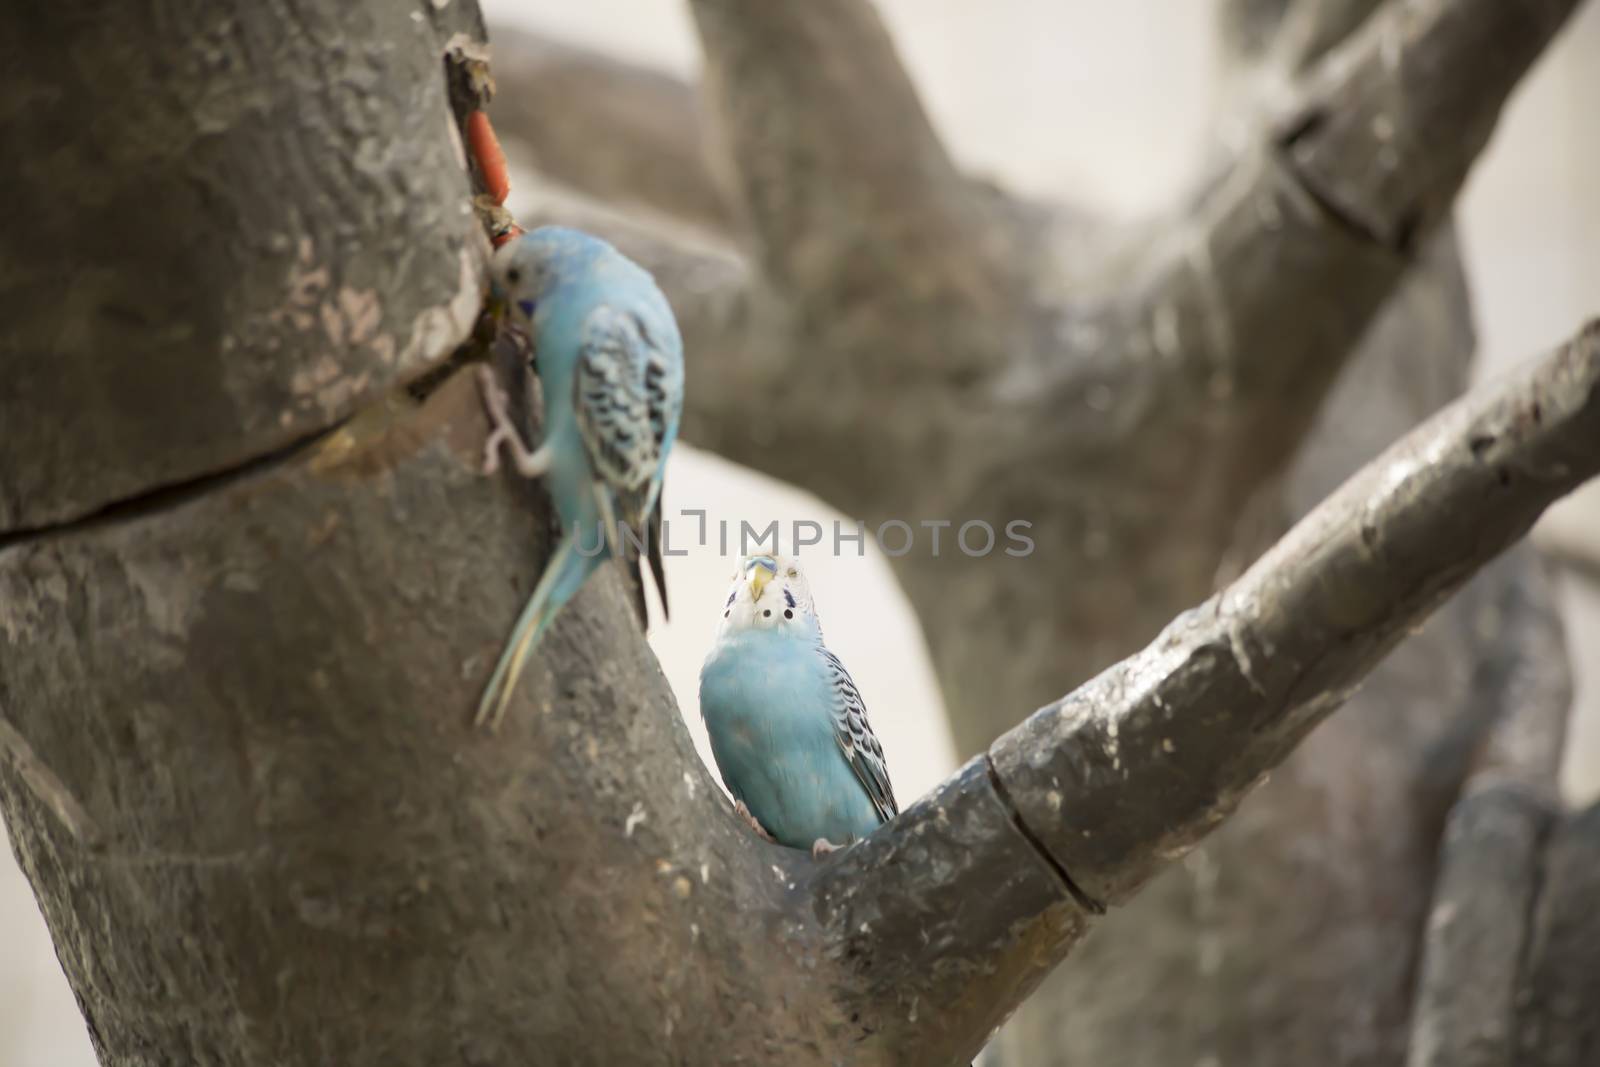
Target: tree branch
1264, 293
1271, 655
619, 132
852, 201
1479, 924
1560, 980
1396, 118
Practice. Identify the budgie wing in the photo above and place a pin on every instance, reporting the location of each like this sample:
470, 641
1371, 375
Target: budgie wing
856, 739
616, 361
623, 396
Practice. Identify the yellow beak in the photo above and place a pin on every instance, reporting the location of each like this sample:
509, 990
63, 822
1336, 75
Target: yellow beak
496, 306
759, 577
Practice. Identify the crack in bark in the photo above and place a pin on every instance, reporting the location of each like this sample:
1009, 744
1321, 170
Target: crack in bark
170, 495
1082, 899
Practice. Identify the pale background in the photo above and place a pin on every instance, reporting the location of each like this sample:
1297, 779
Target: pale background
1105, 104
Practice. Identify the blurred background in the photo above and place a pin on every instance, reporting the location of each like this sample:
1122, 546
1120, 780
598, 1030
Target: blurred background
1109, 106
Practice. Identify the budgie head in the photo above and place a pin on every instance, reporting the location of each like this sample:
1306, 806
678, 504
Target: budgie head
770, 593
525, 271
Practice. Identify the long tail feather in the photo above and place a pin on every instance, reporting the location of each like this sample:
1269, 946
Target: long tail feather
562, 577
658, 566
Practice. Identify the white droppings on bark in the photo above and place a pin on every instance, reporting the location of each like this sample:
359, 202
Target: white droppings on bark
436, 331
45, 785
1241, 656
634, 818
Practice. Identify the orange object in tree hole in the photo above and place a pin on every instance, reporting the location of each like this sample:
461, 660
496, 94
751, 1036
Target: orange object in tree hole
485, 149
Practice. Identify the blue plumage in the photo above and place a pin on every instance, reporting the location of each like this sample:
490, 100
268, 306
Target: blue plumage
610, 362
788, 728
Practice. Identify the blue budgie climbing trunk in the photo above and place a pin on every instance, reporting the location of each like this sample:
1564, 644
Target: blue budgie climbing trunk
610, 362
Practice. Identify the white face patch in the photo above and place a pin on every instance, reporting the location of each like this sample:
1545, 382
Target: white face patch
768, 593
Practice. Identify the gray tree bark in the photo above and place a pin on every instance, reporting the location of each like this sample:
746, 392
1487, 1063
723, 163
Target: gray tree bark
250, 590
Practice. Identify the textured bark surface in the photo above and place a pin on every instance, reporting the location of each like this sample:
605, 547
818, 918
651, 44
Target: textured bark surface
235, 679
1561, 983
143, 169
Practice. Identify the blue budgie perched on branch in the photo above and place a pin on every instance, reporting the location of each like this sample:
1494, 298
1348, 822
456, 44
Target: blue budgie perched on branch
610, 362
788, 728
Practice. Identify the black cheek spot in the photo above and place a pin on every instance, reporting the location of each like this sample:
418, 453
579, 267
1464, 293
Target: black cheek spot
725, 614
788, 596
767, 613
788, 614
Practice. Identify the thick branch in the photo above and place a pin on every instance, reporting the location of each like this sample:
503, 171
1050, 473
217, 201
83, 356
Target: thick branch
1560, 985
1414, 98
1260, 663
852, 201
621, 133
1269, 284
1479, 922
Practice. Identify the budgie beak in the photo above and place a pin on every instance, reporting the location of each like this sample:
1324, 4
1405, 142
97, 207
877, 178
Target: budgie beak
496, 304
759, 577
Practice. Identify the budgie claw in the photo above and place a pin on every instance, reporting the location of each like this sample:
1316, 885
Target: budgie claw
822, 846
504, 431
744, 813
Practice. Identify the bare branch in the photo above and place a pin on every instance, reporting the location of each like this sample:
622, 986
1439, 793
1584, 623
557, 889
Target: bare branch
852, 200
621, 133
1480, 919
1560, 984
1280, 648
1478, 929
1267, 286
1397, 116
949, 921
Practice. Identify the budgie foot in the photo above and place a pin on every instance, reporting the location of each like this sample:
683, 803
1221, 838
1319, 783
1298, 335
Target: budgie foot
529, 464
755, 824
822, 846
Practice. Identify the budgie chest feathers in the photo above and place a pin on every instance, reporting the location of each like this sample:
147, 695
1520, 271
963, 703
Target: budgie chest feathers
765, 701
788, 728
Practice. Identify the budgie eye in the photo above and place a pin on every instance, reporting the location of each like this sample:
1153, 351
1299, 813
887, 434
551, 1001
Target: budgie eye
513, 275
